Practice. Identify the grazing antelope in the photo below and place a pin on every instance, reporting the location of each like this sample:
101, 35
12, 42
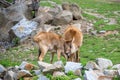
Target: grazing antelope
73, 40
49, 41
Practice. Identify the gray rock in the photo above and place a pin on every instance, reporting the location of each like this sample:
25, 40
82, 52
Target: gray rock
22, 65
23, 73
42, 77
78, 72
2, 68
43, 65
117, 66
104, 63
58, 73
2, 71
22, 29
64, 17
58, 63
37, 72
72, 66
102, 32
77, 79
48, 28
52, 68
27, 66
94, 75
119, 72
43, 17
16, 12
10, 75
75, 9
92, 65
111, 73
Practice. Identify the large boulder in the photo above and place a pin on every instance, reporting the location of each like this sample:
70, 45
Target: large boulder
43, 16
10, 16
64, 17
104, 63
17, 12
74, 8
22, 29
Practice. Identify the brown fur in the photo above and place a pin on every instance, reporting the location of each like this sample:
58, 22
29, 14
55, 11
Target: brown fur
49, 41
73, 40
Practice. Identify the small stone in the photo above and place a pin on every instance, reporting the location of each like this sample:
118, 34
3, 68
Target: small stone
23, 73
111, 73
2, 68
26, 66
92, 65
52, 68
10, 75
43, 65
58, 73
117, 66
42, 77
92, 75
78, 72
72, 66
27, 78
77, 79
37, 72
102, 31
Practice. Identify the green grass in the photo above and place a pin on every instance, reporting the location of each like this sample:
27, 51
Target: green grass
95, 47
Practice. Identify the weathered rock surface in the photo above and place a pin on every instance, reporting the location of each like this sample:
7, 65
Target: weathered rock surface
27, 66
64, 17
52, 68
74, 8
72, 66
117, 66
111, 73
58, 73
92, 65
43, 65
2, 68
22, 29
104, 63
95, 75
77, 79
10, 75
23, 73
43, 17
42, 77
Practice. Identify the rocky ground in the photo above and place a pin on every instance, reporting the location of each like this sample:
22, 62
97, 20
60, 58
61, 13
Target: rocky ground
18, 48
102, 69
